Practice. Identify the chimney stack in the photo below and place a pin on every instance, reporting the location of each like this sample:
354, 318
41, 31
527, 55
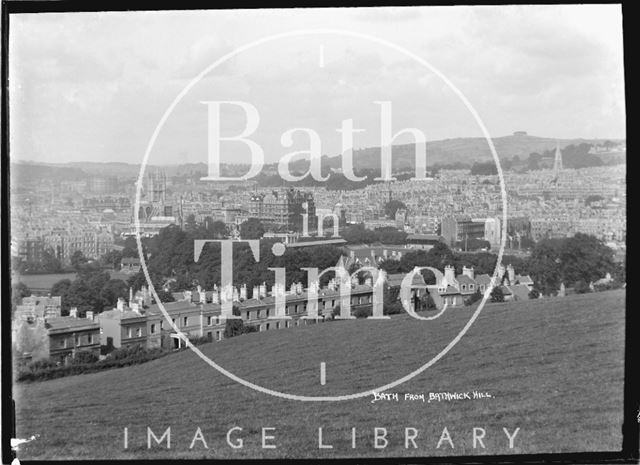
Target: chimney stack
256, 293
89, 315
449, 274
73, 312
468, 272
243, 292
120, 304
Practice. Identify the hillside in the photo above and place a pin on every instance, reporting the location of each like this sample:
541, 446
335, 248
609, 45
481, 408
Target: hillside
464, 150
548, 364
459, 150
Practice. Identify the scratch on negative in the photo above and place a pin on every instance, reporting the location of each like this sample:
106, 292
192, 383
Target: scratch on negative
15, 442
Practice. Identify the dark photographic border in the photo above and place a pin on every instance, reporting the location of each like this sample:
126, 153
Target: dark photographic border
630, 427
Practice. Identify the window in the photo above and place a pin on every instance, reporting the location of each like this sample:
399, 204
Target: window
471, 287
297, 308
208, 321
77, 340
138, 332
218, 335
129, 332
153, 328
89, 338
161, 325
184, 321
173, 320
267, 317
247, 315
267, 326
278, 325
258, 314
464, 287
217, 320
286, 324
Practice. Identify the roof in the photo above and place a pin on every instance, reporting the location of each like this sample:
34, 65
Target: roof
505, 290
182, 305
116, 314
320, 242
130, 261
483, 279
519, 291
450, 291
62, 323
425, 237
526, 279
396, 279
464, 279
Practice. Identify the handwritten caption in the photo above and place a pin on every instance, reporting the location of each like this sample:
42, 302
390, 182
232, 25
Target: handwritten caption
430, 396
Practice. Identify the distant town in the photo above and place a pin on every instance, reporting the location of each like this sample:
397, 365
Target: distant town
79, 292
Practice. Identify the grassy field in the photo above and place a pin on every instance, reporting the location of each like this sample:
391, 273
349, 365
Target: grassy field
42, 281
553, 367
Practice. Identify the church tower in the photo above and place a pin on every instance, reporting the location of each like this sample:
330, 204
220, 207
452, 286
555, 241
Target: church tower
557, 165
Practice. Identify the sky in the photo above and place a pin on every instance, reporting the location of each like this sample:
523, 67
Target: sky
95, 86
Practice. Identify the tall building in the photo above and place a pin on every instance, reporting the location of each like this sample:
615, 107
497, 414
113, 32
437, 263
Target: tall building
156, 186
557, 163
492, 232
284, 209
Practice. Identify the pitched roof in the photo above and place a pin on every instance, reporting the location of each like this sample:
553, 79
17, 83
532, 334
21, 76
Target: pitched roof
116, 314
395, 280
464, 279
524, 279
68, 322
483, 279
450, 291
520, 291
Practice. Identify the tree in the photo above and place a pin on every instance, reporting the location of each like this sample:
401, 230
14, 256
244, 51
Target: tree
190, 222
78, 259
497, 295
586, 258
581, 287
18, 291
112, 259
251, 229
484, 169
543, 266
218, 229
392, 206
164, 296
50, 264
534, 294
112, 290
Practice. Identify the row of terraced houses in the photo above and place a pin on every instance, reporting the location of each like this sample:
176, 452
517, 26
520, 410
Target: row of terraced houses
40, 331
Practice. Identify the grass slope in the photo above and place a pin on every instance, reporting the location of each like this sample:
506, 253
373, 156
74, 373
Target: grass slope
554, 368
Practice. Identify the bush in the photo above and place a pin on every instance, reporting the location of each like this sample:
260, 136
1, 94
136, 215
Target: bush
47, 369
84, 357
473, 298
581, 287
534, 294
497, 295
363, 312
393, 308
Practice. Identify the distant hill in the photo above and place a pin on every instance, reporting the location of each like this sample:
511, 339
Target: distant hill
465, 150
449, 151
